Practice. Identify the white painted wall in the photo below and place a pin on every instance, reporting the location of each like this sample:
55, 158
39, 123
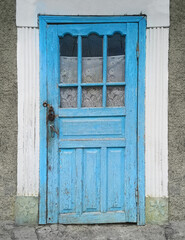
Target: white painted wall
156, 112
28, 111
157, 11
156, 119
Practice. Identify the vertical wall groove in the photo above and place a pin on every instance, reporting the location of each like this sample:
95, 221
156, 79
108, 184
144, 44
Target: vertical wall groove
156, 112
28, 111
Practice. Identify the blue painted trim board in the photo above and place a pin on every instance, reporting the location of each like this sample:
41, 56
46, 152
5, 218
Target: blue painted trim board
141, 122
92, 84
94, 217
93, 143
131, 121
90, 19
79, 71
43, 130
53, 71
100, 28
104, 69
92, 112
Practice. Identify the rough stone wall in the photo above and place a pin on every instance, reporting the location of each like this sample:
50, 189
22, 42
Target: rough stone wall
8, 108
177, 111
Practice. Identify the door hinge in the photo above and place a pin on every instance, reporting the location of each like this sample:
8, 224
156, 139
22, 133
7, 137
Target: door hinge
137, 50
136, 195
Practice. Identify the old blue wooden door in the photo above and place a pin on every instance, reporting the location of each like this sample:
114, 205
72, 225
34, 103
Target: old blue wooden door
92, 142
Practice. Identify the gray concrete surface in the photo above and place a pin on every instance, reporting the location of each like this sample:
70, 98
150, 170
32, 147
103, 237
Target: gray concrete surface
172, 231
176, 110
8, 108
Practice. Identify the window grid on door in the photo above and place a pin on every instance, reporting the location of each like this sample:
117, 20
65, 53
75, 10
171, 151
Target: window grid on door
105, 85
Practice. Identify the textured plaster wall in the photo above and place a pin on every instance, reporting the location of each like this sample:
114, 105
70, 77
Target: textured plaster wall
157, 11
177, 111
8, 108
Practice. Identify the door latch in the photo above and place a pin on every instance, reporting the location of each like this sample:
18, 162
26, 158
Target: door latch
53, 130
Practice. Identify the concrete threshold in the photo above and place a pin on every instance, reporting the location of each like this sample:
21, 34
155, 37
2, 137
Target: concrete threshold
170, 231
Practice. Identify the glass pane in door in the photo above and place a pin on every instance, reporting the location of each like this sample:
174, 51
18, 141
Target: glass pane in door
116, 58
92, 61
68, 97
91, 97
68, 59
115, 96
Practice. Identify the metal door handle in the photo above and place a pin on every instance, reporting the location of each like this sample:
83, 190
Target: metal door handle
53, 130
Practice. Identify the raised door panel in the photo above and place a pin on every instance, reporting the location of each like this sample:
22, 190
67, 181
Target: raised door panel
91, 180
115, 185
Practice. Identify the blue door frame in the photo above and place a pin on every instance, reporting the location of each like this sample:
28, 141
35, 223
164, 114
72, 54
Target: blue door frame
141, 21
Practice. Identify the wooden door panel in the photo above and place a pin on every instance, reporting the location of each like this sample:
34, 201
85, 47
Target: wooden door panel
115, 179
91, 180
67, 181
87, 127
